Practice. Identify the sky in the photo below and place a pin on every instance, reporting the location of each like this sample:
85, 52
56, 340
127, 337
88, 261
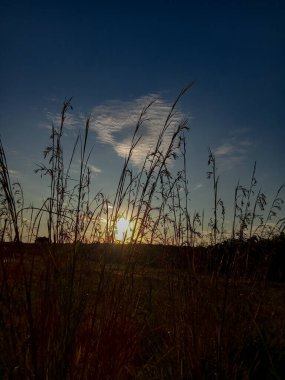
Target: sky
113, 57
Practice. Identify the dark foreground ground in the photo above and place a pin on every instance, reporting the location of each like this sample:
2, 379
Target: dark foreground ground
142, 312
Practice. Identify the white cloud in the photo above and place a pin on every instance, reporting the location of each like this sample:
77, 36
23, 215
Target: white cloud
224, 149
234, 151
198, 186
94, 169
114, 124
115, 121
13, 172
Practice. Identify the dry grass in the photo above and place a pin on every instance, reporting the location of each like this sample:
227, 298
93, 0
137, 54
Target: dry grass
170, 310
129, 320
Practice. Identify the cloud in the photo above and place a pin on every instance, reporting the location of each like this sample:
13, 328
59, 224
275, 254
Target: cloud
224, 150
13, 172
198, 186
234, 151
115, 122
71, 121
94, 169
245, 143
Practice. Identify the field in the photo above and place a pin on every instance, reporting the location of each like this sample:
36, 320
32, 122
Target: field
136, 313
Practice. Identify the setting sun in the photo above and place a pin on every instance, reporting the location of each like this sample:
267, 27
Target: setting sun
124, 229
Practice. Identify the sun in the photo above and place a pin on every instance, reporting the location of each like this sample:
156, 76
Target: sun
124, 229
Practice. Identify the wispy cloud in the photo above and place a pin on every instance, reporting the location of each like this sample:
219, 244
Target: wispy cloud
114, 124
224, 150
233, 151
71, 121
94, 169
13, 172
198, 186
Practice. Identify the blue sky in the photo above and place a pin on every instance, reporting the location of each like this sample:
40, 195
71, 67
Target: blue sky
112, 57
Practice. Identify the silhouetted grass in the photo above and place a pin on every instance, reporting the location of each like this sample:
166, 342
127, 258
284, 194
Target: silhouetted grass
162, 304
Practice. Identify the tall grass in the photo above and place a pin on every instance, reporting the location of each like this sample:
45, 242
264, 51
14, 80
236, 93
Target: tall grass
159, 305
11, 198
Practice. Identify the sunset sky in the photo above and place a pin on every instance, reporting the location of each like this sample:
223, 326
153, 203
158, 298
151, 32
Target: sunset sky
113, 57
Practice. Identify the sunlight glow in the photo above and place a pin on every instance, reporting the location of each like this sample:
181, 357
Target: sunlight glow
124, 229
